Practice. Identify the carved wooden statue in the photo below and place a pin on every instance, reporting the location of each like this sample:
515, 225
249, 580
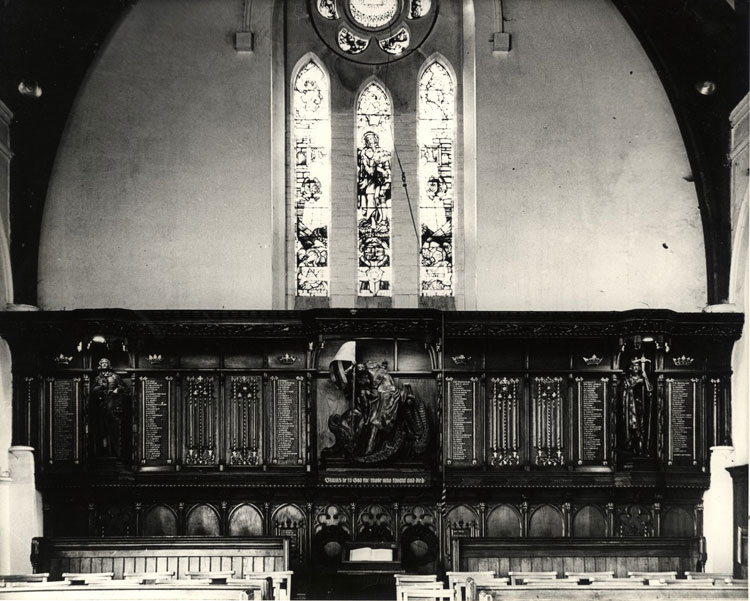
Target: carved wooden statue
636, 395
108, 401
384, 421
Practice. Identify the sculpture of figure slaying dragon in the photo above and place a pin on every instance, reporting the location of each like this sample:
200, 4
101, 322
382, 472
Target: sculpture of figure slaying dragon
384, 421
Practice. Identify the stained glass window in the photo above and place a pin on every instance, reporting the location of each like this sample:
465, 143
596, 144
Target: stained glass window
350, 42
373, 14
396, 43
374, 148
418, 8
311, 143
327, 9
436, 127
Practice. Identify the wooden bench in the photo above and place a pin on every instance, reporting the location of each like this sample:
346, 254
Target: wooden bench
128, 591
618, 589
620, 556
457, 581
6, 579
590, 576
243, 555
524, 577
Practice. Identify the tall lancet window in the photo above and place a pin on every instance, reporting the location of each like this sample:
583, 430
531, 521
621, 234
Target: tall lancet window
311, 146
374, 137
436, 132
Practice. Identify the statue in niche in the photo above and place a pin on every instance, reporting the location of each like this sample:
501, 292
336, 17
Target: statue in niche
109, 403
636, 402
384, 421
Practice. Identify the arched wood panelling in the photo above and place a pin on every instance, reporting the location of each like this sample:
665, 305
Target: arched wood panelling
202, 520
289, 520
677, 522
245, 520
589, 521
505, 521
160, 520
287, 516
375, 523
546, 521
463, 519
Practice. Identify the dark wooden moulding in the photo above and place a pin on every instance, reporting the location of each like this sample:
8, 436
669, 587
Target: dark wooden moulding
226, 428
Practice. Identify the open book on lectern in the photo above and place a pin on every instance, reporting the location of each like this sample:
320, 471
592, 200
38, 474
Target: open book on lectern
370, 554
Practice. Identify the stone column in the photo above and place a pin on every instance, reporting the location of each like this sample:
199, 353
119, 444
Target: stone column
25, 508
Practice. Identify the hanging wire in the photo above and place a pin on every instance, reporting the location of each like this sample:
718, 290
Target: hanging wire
398, 157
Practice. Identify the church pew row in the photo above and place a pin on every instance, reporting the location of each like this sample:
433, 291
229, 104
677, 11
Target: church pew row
613, 590
181, 555
620, 556
125, 590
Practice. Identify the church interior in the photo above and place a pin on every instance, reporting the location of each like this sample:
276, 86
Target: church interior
374, 299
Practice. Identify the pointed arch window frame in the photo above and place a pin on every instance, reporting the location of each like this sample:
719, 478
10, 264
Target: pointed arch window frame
426, 255
300, 189
374, 279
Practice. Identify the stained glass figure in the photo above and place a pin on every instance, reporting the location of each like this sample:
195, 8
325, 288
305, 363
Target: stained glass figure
374, 149
350, 42
418, 8
436, 131
396, 43
327, 9
311, 145
373, 14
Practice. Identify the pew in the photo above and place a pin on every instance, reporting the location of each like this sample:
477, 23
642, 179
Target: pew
119, 591
590, 576
6, 579
243, 555
620, 556
457, 581
148, 577
523, 577
617, 589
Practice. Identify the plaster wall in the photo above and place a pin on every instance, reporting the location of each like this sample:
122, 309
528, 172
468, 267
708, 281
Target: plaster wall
159, 197
583, 202
161, 193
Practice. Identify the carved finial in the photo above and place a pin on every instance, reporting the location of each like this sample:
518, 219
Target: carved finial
593, 360
682, 361
62, 359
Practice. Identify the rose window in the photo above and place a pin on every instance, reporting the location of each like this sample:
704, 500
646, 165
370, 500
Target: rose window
373, 31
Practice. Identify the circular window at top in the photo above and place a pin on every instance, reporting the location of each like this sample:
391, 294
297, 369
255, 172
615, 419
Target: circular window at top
373, 31
373, 14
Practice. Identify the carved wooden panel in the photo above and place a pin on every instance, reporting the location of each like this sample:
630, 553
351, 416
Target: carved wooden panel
594, 420
547, 521
201, 425
202, 520
720, 411
160, 520
375, 522
245, 520
633, 520
683, 415
547, 409
289, 521
157, 418
463, 426
506, 395
63, 397
244, 420
678, 521
288, 420
589, 521
504, 521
